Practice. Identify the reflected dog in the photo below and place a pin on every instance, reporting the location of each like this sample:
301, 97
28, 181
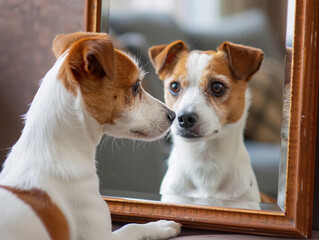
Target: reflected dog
209, 92
49, 188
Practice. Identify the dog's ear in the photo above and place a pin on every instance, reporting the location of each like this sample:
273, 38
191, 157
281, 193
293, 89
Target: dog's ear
244, 61
163, 56
88, 58
96, 58
63, 41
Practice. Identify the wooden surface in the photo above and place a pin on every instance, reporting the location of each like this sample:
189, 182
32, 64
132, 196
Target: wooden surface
303, 120
92, 16
296, 220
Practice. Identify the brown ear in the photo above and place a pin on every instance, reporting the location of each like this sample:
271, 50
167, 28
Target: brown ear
244, 61
92, 57
63, 41
166, 55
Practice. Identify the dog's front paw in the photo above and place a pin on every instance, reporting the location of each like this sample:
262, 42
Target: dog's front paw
164, 229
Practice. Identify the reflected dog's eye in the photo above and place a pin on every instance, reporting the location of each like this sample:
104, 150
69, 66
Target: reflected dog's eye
136, 88
175, 87
218, 89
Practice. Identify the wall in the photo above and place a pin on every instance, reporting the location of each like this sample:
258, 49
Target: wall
27, 28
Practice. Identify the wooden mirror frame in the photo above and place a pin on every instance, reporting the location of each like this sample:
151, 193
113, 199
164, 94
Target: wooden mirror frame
296, 220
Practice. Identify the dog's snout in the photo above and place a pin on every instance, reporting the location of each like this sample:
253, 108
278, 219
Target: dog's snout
187, 119
171, 115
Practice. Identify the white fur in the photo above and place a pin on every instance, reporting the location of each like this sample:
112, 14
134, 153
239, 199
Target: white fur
56, 153
147, 116
217, 165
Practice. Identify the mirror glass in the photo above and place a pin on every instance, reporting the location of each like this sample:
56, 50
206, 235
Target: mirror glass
135, 169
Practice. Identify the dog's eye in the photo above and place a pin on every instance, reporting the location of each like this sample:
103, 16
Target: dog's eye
218, 89
136, 88
175, 87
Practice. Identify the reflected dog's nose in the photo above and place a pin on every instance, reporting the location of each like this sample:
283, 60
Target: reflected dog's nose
171, 115
187, 119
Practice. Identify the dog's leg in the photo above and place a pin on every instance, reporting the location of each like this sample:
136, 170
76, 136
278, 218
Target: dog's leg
161, 229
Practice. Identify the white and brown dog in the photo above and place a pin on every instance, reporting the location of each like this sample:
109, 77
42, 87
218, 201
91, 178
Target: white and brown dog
209, 93
49, 186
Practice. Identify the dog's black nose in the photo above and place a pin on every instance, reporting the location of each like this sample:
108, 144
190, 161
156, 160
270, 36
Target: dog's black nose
187, 119
171, 115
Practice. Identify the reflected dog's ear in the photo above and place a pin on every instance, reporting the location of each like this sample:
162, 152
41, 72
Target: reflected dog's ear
166, 56
244, 61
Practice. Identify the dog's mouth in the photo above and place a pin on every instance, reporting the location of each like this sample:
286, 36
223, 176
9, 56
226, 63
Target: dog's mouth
138, 133
193, 136
189, 135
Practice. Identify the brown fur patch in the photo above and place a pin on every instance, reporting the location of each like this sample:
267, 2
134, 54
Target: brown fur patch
88, 58
99, 95
63, 41
104, 76
166, 56
231, 105
176, 74
50, 214
244, 61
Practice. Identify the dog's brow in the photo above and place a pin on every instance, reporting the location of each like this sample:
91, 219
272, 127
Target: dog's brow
222, 78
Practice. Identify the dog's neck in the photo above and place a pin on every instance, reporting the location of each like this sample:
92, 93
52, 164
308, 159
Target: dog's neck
56, 138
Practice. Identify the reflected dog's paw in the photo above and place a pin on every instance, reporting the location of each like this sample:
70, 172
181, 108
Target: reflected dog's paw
164, 229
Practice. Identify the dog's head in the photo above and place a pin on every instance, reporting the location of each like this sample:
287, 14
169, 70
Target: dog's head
108, 82
206, 89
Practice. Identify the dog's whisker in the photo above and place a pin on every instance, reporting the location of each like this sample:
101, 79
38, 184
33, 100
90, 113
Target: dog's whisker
146, 64
102, 144
113, 147
118, 147
105, 141
140, 55
168, 135
133, 145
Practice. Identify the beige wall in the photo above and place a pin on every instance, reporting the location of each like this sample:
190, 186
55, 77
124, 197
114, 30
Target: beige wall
27, 28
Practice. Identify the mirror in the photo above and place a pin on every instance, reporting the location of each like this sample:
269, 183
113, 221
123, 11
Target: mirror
291, 217
135, 169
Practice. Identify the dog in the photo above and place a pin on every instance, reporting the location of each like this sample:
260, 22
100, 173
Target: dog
208, 90
49, 188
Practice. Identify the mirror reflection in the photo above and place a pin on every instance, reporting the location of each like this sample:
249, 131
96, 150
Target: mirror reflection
211, 160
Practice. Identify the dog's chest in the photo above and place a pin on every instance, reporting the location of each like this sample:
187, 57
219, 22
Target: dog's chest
208, 175
211, 177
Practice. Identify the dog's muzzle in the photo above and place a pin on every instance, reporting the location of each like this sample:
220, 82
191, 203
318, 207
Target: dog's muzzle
187, 119
187, 125
170, 115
